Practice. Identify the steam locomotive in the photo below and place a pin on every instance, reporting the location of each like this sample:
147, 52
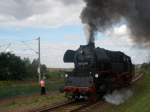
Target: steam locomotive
97, 71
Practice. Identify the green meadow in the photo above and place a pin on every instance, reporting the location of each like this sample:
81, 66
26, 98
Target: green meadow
10, 89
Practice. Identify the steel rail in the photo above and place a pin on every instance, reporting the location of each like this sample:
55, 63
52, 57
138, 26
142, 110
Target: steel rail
137, 78
49, 108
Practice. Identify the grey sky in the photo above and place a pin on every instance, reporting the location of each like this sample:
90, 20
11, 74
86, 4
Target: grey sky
39, 12
56, 13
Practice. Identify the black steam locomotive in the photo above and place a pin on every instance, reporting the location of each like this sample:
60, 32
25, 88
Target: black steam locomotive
97, 71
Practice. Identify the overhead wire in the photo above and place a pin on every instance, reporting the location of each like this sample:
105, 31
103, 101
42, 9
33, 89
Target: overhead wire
5, 47
30, 48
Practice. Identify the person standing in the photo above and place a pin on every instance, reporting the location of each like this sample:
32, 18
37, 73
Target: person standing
42, 85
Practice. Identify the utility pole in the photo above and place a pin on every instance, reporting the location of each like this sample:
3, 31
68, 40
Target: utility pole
39, 58
41, 81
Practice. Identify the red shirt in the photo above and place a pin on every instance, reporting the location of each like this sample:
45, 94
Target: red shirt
42, 83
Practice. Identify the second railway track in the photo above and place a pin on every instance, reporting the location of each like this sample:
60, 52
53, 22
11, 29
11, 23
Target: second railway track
137, 77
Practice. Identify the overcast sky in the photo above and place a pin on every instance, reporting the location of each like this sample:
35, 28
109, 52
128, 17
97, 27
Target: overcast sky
58, 24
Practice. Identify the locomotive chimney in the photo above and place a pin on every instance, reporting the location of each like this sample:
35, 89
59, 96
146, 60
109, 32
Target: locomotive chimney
91, 44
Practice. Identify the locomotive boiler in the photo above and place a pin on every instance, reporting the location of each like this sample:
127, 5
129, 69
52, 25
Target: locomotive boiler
97, 71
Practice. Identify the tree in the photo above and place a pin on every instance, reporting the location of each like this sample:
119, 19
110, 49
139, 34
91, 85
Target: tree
44, 70
35, 66
11, 67
30, 74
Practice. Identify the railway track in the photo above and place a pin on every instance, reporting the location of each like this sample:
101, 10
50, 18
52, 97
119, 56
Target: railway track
49, 108
70, 106
73, 106
85, 107
137, 77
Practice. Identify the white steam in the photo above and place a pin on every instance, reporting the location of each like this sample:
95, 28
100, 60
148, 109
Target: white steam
118, 97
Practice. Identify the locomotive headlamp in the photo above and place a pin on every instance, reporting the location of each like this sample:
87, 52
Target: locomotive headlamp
66, 75
96, 75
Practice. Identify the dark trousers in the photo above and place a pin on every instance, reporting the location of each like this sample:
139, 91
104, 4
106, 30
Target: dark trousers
43, 91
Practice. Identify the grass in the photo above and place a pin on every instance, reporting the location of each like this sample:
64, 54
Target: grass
18, 96
31, 102
139, 102
9, 89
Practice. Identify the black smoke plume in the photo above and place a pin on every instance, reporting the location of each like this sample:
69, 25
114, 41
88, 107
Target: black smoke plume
102, 14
